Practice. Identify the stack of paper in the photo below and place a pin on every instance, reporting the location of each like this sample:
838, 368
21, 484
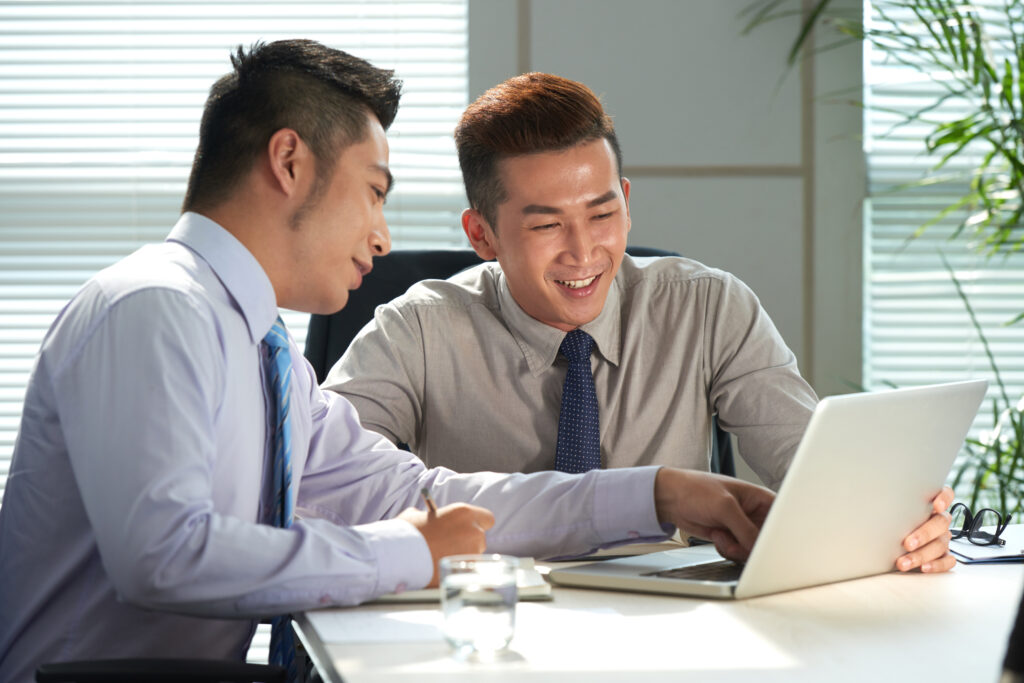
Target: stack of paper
969, 553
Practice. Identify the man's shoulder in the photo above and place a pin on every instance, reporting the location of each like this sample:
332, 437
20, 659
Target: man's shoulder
156, 286
473, 287
152, 268
654, 270
152, 281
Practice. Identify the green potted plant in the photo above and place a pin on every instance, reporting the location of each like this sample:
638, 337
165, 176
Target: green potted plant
975, 54
990, 472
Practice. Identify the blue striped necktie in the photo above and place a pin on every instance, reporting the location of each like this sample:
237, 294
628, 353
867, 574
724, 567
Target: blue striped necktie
279, 380
579, 433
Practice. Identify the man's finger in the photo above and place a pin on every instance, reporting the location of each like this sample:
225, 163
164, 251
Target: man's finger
943, 564
937, 526
930, 553
732, 516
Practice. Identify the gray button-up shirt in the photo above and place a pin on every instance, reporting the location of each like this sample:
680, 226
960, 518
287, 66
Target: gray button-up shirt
459, 372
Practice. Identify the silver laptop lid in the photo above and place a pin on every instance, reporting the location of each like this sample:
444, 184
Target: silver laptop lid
862, 478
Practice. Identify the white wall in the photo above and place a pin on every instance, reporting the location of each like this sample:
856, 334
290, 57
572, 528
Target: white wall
734, 160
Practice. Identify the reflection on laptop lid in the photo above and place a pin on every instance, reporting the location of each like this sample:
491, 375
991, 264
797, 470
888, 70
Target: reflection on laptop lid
862, 478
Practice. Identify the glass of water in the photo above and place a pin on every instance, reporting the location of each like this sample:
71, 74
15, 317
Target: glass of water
478, 599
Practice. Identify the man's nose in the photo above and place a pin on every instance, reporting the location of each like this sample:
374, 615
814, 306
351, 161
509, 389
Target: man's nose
580, 245
380, 239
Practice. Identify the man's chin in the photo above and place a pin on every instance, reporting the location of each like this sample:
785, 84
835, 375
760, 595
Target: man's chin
333, 306
570, 320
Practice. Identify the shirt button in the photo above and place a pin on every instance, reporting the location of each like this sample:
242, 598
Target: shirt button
400, 588
634, 534
325, 600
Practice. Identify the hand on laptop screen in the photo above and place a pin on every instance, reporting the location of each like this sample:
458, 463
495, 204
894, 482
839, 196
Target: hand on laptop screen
928, 544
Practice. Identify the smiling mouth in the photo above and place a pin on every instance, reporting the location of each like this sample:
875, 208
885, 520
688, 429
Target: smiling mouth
577, 284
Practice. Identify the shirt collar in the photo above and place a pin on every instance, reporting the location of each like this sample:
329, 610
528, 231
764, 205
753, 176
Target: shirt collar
539, 342
235, 266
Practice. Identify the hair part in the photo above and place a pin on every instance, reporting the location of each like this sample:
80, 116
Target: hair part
323, 94
527, 114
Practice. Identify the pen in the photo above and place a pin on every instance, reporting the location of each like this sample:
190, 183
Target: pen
431, 505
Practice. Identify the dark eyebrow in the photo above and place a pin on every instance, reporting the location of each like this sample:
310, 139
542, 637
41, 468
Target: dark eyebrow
387, 174
540, 208
606, 197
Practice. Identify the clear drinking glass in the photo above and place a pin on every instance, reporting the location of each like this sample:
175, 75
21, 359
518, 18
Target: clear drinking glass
478, 599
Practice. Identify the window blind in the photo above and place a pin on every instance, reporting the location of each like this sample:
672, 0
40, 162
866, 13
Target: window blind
917, 330
99, 114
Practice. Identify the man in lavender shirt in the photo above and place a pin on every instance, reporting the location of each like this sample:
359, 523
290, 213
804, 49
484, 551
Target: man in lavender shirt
136, 519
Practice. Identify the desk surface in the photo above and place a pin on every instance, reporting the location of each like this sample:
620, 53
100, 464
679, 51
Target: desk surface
891, 627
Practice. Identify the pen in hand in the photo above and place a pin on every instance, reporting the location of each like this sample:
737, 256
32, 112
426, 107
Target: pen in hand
431, 505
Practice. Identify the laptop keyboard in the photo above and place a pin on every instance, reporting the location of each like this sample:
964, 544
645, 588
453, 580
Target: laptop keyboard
723, 570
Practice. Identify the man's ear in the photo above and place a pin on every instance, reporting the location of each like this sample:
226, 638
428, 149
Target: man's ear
480, 234
625, 196
287, 156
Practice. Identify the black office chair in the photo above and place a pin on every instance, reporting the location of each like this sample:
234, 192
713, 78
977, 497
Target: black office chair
330, 335
159, 671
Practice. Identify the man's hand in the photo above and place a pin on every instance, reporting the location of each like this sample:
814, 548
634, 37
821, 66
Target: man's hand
928, 545
726, 511
456, 529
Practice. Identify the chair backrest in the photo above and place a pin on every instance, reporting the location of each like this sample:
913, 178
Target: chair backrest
330, 335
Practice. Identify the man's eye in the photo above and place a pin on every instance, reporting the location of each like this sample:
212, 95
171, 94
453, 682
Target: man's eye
602, 216
382, 196
546, 226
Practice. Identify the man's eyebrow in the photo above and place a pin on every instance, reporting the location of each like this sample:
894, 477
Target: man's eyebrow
381, 168
540, 208
606, 197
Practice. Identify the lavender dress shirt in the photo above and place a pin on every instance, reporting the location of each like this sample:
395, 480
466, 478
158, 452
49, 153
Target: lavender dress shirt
131, 523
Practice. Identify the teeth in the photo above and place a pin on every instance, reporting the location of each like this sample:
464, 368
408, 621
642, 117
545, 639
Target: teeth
576, 284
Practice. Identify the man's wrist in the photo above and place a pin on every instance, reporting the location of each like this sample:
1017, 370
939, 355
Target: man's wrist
667, 487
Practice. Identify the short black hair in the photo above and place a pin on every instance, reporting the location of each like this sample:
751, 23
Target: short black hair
321, 93
527, 114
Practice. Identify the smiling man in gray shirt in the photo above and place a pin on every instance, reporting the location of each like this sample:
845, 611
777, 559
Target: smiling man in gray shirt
468, 371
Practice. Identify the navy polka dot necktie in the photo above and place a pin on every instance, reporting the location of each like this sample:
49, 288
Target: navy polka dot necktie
579, 435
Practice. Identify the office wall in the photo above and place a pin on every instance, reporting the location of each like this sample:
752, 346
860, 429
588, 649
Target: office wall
734, 160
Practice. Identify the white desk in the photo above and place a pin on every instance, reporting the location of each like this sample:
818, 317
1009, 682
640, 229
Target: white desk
893, 627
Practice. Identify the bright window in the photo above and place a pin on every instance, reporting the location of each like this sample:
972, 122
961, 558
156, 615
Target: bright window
99, 115
917, 330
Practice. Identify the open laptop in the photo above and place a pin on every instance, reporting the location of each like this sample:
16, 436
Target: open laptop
862, 478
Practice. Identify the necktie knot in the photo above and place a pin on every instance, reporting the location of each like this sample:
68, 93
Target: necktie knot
277, 337
576, 346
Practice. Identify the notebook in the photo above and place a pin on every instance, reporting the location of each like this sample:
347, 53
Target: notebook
862, 478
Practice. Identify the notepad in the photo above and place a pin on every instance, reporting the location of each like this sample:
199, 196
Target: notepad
969, 553
529, 584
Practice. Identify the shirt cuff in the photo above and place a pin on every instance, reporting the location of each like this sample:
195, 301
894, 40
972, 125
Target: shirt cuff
403, 556
624, 509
